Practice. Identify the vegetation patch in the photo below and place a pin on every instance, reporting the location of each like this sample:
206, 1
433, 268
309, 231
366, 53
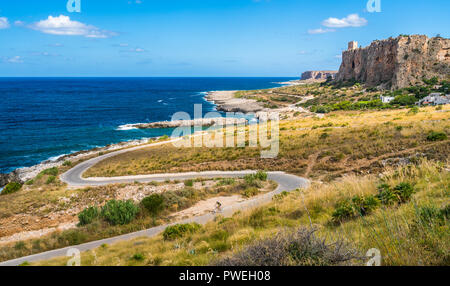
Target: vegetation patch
11, 188
180, 230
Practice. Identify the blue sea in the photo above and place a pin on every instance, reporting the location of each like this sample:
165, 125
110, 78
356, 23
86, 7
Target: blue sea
43, 118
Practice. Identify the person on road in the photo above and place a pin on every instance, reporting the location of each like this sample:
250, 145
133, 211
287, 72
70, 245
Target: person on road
218, 206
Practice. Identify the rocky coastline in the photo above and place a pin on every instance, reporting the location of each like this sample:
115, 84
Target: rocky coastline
207, 122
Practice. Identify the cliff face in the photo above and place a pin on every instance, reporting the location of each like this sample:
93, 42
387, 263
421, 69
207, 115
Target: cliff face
397, 63
318, 75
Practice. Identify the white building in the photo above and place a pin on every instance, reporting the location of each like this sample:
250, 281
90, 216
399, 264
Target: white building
387, 99
435, 99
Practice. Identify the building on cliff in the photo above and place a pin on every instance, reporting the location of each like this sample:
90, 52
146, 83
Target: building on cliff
396, 62
353, 45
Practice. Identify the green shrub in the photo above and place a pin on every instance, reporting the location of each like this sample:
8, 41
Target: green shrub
88, 215
250, 192
404, 192
261, 175
436, 136
189, 183
51, 171
119, 212
404, 100
11, 188
138, 257
67, 163
226, 181
343, 211
180, 230
72, 237
413, 110
253, 180
386, 195
50, 180
20, 245
154, 204
365, 205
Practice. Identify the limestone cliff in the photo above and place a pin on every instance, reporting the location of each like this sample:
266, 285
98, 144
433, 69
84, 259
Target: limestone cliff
397, 62
318, 75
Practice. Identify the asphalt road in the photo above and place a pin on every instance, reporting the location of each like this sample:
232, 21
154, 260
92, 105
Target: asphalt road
73, 178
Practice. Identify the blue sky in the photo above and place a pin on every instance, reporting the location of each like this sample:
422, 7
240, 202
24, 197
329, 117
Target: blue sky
199, 38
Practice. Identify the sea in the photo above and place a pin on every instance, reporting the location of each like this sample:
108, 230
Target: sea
45, 118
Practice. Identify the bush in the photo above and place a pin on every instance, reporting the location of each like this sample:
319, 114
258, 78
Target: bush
180, 230
343, 211
261, 175
250, 192
404, 100
226, 181
365, 205
138, 257
386, 195
67, 163
51, 171
299, 248
119, 212
11, 188
436, 136
404, 192
253, 180
154, 204
413, 110
50, 180
88, 215
189, 183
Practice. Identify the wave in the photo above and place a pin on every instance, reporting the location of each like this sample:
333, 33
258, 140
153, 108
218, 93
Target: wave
126, 127
56, 158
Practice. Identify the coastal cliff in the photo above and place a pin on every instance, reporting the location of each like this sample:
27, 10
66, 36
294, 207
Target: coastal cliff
397, 62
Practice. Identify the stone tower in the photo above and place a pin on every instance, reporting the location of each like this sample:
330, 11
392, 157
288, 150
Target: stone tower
353, 45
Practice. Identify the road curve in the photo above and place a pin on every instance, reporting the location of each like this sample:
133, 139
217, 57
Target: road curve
74, 179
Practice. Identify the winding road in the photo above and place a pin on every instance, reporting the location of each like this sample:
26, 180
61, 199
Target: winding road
74, 179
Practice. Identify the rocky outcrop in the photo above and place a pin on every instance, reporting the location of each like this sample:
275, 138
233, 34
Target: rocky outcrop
8, 178
207, 122
226, 101
318, 75
397, 62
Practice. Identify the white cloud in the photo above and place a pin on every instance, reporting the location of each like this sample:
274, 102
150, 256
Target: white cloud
19, 23
4, 24
352, 20
15, 60
139, 50
320, 31
62, 25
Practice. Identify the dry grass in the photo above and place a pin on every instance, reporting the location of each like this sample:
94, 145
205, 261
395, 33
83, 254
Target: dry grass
54, 208
354, 142
396, 231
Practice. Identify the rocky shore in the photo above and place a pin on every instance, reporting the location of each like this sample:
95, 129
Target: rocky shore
226, 102
207, 122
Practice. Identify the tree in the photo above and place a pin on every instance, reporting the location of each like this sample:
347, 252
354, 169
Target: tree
153, 203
